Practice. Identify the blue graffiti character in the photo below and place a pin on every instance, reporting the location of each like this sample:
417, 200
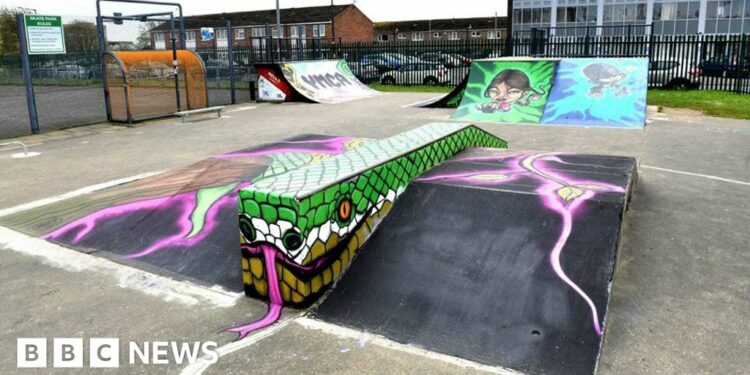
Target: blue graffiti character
604, 76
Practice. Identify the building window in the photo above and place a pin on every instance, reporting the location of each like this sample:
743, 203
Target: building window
401, 36
417, 37
239, 34
495, 34
258, 32
437, 35
382, 37
476, 34
275, 32
319, 31
159, 37
221, 34
294, 31
454, 35
190, 35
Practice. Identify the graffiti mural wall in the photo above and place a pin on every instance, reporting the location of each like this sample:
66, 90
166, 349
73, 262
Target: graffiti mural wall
599, 92
325, 81
506, 91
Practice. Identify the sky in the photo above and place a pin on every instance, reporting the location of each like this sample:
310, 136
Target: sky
377, 10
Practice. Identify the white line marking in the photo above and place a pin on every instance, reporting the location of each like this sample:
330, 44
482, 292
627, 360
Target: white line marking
17, 147
696, 175
417, 104
75, 193
386, 343
240, 109
201, 364
126, 277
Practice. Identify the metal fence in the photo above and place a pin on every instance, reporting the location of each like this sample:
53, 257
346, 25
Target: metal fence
69, 91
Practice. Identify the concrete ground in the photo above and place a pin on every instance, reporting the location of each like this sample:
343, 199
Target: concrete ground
681, 296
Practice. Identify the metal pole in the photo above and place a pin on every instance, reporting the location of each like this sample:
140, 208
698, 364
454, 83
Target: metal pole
102, 49
175, 63
30, 98
230, 56
333, 29
278, 28
509, 30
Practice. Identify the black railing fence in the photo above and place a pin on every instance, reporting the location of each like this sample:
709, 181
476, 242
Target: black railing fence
69, 87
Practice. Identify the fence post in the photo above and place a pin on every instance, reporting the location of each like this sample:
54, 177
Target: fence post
586, 46
26, 68
740, 65
230, 65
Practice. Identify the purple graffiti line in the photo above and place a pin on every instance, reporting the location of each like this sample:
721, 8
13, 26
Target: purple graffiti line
559, 193
334, 145
275, 304
187, 224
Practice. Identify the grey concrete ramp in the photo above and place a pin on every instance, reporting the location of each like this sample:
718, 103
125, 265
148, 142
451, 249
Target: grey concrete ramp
500, 258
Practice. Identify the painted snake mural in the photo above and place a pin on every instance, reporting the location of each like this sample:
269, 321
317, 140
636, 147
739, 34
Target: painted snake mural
300, 230
561, 194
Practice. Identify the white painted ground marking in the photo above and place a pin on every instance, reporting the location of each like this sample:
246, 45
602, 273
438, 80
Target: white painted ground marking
21, 155
126, 277
240, 109
386, 343
201, 364
417, 104
17, 147
75, 193
697, 175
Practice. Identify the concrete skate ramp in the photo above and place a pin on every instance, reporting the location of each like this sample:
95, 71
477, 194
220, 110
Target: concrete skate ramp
608, 92
473, 261
451, 99
181, 223
325, 81
507, 90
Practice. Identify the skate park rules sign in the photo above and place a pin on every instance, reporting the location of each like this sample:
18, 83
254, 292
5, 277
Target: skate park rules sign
44, 34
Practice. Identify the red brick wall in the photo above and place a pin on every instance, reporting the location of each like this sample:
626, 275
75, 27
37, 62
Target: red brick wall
352, 26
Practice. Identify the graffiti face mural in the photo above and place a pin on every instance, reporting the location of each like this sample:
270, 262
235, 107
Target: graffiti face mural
510, 86
506, 91
599, 92
309, 223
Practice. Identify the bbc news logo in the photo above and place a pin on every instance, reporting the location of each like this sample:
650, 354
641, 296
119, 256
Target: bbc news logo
105, 352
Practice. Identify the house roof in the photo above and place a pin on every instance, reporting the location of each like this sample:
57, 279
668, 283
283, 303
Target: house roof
261, 17
442, 24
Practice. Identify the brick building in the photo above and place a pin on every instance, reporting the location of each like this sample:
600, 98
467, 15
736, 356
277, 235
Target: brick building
443, 29
349, 24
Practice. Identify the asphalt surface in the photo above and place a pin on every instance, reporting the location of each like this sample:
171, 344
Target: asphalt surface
680, 301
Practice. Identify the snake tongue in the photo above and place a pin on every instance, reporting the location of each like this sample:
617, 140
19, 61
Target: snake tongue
274, 294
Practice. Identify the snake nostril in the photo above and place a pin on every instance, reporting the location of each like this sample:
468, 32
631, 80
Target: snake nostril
292, 239
247, 229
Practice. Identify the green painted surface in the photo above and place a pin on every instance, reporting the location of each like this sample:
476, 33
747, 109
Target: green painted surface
314, 201
506, 91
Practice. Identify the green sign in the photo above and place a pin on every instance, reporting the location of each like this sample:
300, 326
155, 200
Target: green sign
44, 34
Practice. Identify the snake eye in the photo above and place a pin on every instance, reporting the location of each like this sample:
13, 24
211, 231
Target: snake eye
247, 229
292, 240
344, 211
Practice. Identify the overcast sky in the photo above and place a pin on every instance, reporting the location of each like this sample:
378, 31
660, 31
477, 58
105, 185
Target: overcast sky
377, 10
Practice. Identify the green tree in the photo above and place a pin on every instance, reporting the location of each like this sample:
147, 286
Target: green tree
80, 36
144, 38
8, 31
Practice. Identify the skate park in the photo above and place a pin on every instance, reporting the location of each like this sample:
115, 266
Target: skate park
461, 261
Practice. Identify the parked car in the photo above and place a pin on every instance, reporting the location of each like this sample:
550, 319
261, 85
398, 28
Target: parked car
420, 73
364, 72
725, 66
673, 74
449, 60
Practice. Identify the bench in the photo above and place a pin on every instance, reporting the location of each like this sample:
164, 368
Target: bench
186, 114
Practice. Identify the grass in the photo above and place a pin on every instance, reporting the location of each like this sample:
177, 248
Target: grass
711, 103
414, 88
